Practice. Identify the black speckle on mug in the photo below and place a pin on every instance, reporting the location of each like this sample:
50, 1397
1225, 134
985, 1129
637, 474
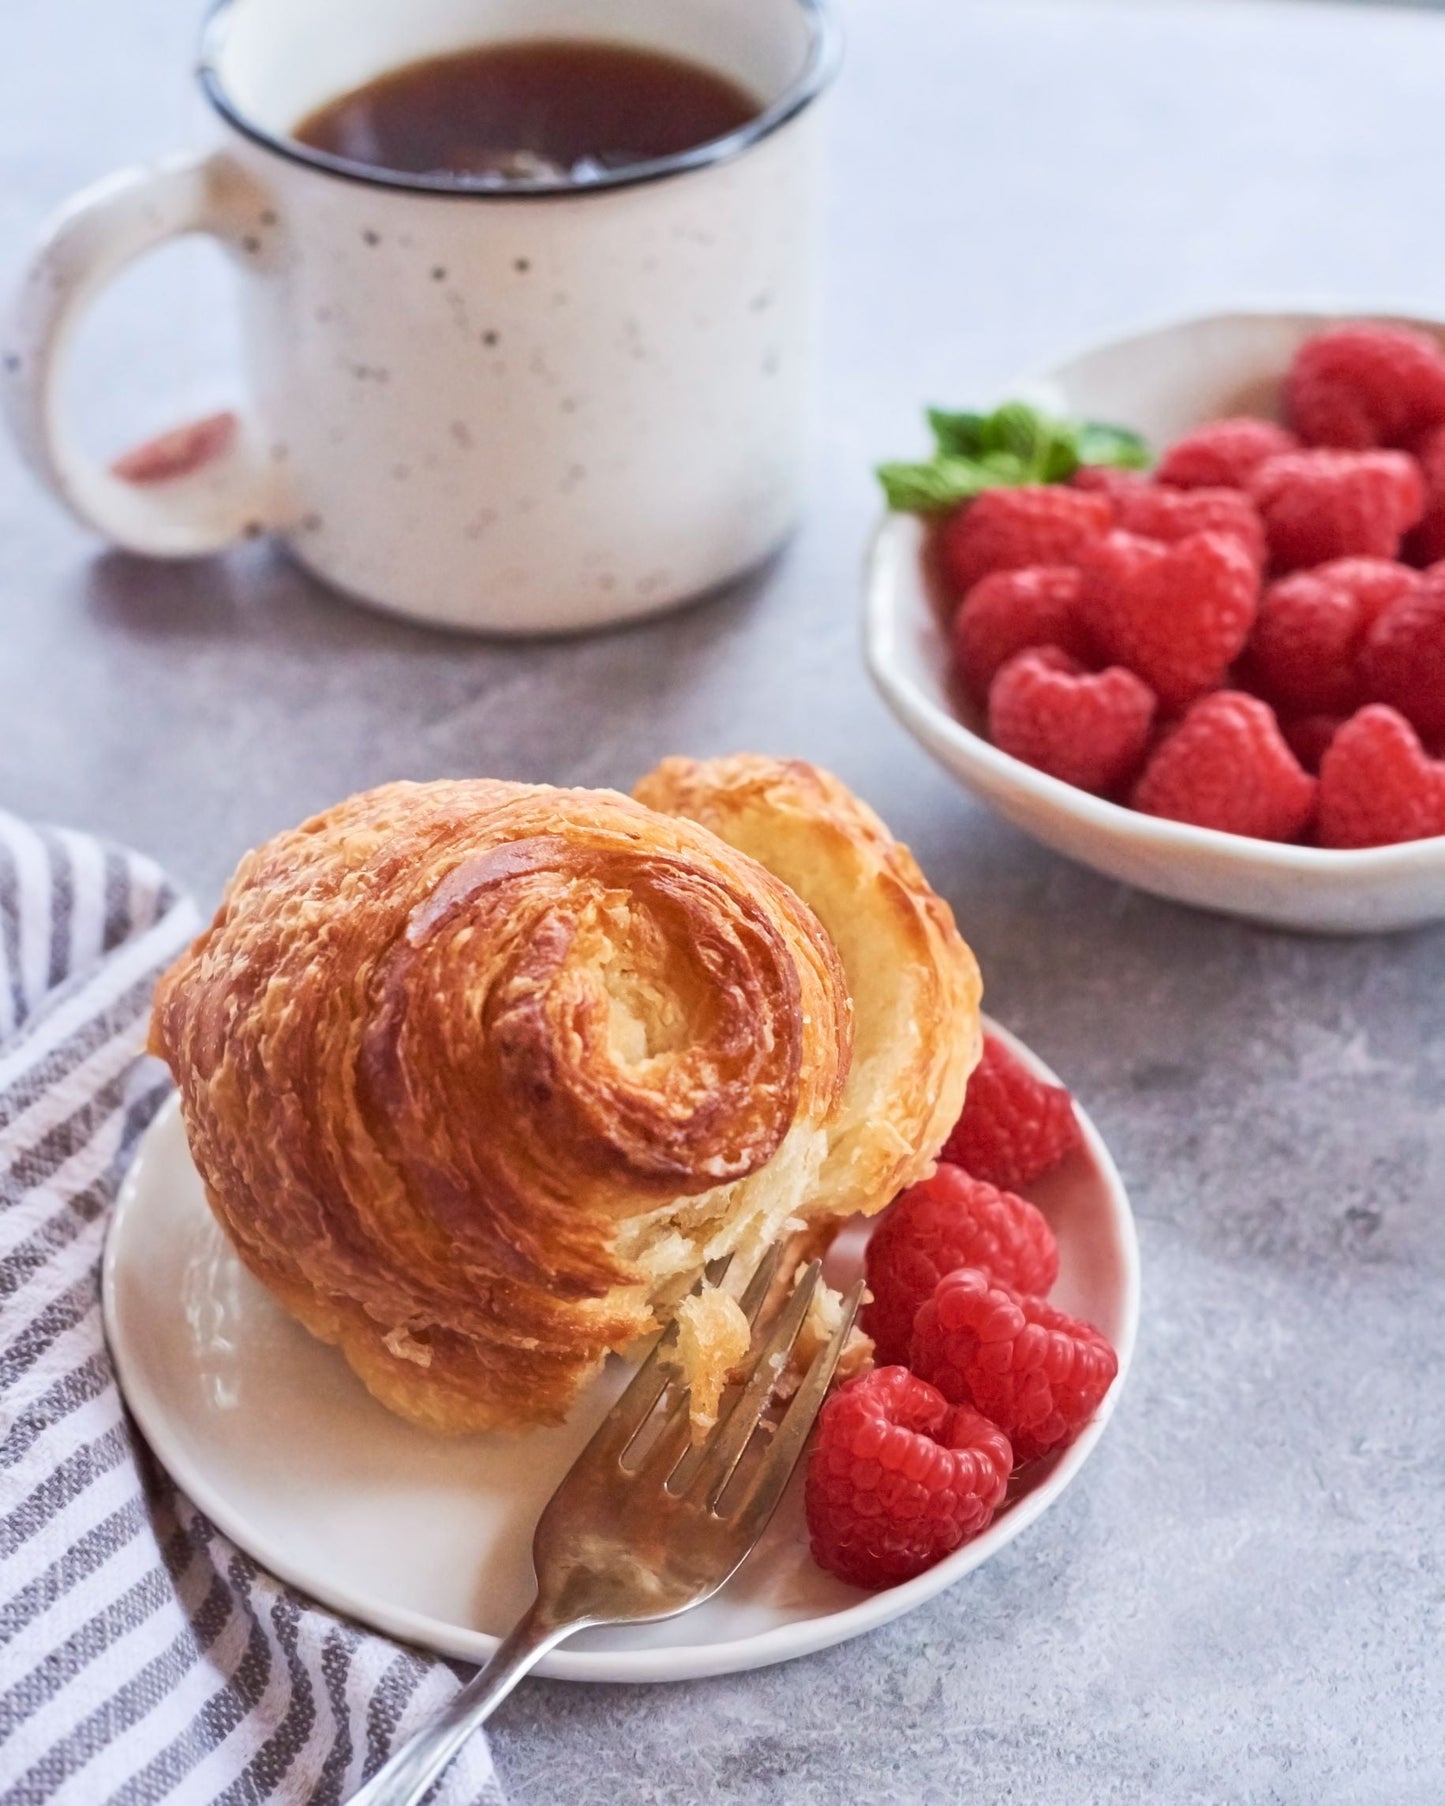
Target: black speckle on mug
268, 216
522, 265
324, 316
280, 453
761, 303
250, 244
12, 361
253, 529
491, 337
462, 434
369, 237
311, 524
439, 273
401, 472
569, 404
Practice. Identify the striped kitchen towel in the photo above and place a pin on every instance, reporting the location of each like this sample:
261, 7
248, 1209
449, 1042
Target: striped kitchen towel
142, 1656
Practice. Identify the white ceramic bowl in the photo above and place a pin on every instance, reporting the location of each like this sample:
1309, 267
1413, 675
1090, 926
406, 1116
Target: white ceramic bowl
1160, 382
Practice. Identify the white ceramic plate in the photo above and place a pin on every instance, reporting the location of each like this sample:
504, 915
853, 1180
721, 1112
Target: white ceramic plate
1161, 383
430, 1540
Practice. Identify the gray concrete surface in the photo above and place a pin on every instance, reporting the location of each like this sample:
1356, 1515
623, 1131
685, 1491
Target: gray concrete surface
1244, 1598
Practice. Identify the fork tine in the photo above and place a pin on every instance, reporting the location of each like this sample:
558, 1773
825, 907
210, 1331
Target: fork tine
636, 1404
670, 1445
723, 1449
685, 1457
761, 1283
777, 1465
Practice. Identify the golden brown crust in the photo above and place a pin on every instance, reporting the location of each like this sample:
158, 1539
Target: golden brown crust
475, 1071
914, 984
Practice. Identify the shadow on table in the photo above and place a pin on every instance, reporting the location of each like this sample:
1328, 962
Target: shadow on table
257, 592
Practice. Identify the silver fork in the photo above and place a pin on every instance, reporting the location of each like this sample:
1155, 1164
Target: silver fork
640, 1530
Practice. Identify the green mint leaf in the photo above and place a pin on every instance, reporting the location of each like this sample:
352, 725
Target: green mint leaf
959, 435
1100, 443
935, 487
1061, 456
1020, 429
946, 482
1015, 444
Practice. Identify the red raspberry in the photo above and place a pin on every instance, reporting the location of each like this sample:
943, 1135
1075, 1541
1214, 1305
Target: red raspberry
898, 1478
1176, 615
1425, 544
1010, 611
951, 1220
1319, 505
1173, 514
1006, 529
1361, 386
1036, 1372
1309, 737
1089, 728
1108, 479
1014, 1126
1227, 766
1222, 454
1377, 786
1403, 662
1306, 643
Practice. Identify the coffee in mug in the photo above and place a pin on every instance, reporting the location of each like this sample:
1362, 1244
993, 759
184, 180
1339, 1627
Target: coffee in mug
558, 376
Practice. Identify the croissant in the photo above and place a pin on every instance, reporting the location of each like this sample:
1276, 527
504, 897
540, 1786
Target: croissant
477, 1074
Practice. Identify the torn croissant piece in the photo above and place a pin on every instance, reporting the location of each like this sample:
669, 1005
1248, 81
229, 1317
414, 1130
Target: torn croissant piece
713, 1338
477, 1074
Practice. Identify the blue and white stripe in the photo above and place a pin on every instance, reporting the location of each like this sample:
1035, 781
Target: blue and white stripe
143, 1658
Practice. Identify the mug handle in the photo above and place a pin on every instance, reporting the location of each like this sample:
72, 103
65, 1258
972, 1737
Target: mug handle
234, 491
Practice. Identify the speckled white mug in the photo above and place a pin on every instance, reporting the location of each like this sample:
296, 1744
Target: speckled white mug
513, 412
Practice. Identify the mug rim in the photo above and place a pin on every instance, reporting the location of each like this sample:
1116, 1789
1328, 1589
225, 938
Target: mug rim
816, 75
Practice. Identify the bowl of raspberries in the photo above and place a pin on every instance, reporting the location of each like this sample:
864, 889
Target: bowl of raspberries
1201, 650
1003, 1299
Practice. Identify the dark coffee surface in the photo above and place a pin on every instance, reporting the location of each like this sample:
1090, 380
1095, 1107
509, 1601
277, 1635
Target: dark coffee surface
531, 110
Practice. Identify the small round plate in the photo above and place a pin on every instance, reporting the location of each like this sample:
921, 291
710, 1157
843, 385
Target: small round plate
429, 1540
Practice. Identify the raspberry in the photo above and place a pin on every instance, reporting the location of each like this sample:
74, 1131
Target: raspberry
1223, 453
1006, 529
1309, 737
1014, 1126
898, 1478
1088, 728
1403, 662
1319, 505
1173, 514
1010, 611
1425, 543
1176, 615
1036, 1372
1108, 479
951, 1220
1362, 386
1227, 766
1306, 643
1377, 786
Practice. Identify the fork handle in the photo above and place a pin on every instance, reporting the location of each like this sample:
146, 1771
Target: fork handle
417, 1764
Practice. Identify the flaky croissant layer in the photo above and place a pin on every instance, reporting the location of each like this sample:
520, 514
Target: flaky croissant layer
475, 1073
